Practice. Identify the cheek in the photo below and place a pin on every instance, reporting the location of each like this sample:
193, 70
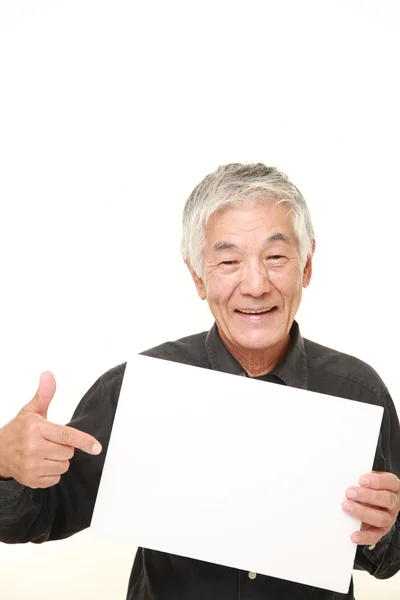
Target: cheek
289, 284
220, 289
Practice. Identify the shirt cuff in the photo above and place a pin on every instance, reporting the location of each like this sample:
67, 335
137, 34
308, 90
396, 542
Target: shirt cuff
10, 488
374, 551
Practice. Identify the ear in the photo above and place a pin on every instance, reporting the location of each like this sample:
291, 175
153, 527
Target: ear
308, 267
198, 282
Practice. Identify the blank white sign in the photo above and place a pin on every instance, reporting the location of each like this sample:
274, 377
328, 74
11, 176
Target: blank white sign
235, 471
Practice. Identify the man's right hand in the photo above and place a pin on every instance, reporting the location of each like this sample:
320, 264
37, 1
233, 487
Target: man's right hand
36, 452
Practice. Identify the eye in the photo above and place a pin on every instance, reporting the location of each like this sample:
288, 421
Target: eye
228, 262
276, 260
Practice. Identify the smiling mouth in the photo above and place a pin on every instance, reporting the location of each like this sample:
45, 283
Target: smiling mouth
261, 311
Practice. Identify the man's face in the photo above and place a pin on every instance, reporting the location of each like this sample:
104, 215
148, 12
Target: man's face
251, 263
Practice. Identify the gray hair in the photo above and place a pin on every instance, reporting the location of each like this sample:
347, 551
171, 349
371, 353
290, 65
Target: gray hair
231, 186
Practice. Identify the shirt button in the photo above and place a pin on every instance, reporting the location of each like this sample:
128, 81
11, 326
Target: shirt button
252, 575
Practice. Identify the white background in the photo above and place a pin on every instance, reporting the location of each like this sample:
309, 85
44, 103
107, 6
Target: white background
110, 114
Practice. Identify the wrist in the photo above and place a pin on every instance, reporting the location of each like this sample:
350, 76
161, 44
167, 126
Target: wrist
4, 472
5, 475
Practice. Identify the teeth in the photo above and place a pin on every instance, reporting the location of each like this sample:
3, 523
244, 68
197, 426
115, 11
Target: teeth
254, 312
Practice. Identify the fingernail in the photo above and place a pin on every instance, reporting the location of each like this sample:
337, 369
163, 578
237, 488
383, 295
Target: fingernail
352, 493
365, 481
96, 448
348, 506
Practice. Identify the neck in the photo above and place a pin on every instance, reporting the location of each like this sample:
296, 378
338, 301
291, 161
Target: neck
258, 362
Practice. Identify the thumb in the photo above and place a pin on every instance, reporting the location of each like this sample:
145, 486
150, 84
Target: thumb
44, 395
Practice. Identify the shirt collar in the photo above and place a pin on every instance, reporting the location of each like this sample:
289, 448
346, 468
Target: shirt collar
291, 371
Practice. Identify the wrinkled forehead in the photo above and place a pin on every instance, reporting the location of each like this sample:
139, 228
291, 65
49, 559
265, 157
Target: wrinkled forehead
266, 222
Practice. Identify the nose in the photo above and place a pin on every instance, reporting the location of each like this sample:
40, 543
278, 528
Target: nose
255, 281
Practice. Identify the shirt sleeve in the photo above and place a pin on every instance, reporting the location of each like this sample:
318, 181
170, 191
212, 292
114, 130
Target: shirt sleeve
38, 515
383, 560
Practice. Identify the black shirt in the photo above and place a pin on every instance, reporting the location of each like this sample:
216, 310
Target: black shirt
62, 510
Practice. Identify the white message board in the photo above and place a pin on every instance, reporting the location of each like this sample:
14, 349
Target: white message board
235, 471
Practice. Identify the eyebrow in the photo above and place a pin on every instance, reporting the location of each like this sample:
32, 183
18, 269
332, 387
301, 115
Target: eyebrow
280, 236
276, 237
224, 246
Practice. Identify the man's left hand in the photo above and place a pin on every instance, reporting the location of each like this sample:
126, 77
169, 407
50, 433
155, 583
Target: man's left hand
376, 503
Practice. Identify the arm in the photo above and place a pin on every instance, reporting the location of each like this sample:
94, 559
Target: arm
383, 559
38, 515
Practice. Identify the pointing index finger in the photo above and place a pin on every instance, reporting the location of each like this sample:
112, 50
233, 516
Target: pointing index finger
68, 436
381, 481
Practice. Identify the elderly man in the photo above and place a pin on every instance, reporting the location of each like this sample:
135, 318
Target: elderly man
248, 242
